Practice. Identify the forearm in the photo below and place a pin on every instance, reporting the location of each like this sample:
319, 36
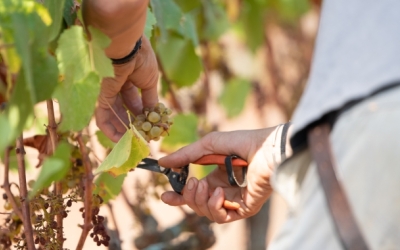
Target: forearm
121, 20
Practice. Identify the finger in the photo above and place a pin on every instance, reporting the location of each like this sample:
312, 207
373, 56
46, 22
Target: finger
201, 199
172, 198
103, 122
189, 195
215, 203
131, 98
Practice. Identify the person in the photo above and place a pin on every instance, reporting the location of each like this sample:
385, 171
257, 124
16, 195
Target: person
134, 61
353, 86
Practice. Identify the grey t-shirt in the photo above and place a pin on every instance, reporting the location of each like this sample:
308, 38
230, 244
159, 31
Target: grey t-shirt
357, 52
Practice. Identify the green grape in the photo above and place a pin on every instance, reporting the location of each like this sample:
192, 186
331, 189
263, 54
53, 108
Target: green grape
138, 124
154, 117
164, 118
168, 111
155, 132
141, 118
7, 206
146, 126
170, 121
164, 133
142, 133
156, 138
160, 107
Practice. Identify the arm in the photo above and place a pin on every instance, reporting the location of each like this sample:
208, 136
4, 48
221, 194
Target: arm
258, 147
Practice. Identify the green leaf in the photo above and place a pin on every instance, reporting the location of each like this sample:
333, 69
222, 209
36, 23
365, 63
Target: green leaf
77, 101
234, 96
150, 22
180, 62
104, 140
56, 9
187, 6
102, 63
291, 10
69, 14
108, 186
214, 21
73, 54
126, 154
19, 112
5, 133
253, 20
30, 35
181, 133
168, 16
54, 168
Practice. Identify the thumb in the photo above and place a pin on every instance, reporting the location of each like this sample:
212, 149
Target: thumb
173, 199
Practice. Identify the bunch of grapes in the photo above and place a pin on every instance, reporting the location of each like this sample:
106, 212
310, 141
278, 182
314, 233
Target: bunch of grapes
154, 122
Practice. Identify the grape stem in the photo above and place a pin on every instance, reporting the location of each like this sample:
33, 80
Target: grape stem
6, 184
26, 219
87, 225
52, 129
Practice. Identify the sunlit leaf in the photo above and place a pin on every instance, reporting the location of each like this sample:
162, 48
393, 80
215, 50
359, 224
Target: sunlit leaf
214, 20
167, 14
126, 154
187, 6
234, 96
108, 186
150, 22
73, 54
104, 140
181, 133
54, 168
77, 101
56, 9
179, 60
5, 133
102, 64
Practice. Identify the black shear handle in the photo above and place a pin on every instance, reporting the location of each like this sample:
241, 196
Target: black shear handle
178, 180
231, 175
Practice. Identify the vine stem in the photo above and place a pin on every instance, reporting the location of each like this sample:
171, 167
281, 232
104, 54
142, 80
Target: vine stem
87, 225
26, 219
6, 184
52, 129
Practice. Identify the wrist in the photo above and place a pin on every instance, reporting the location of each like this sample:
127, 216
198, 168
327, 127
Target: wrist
280, 143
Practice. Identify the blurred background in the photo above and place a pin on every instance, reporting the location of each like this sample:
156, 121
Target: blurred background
224, 65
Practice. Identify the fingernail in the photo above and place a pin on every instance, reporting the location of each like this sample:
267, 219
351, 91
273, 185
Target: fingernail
216, 191
190, 184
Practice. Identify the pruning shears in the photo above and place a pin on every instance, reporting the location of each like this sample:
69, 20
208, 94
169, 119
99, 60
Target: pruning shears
178, 179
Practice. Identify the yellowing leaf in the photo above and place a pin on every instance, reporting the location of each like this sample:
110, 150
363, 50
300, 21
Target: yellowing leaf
126, 154
108, 186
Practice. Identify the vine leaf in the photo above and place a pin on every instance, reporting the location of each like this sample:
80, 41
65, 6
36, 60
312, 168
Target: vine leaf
126, 154
104, 140
150, 22
234, 96
101, 62
182, 133
54, 168
56, 9
83, 64
108, 186
184, 67
77, 101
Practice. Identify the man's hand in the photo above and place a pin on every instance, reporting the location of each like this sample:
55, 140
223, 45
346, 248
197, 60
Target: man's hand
141, 72
123, 22
206, 196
